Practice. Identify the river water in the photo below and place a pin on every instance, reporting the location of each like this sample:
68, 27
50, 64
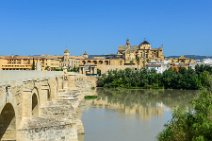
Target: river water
130, 115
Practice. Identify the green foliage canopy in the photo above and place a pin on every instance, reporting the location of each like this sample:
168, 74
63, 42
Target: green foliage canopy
192, 125
194, 79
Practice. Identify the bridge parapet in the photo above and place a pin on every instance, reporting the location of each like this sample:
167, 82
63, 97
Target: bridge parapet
8, 77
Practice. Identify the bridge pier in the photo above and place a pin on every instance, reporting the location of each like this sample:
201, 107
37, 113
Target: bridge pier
26, 104
53, 88
44, 96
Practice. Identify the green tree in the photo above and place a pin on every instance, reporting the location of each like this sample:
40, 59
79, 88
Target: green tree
193, 125
188, 79
33, 64
201, 68
99, 72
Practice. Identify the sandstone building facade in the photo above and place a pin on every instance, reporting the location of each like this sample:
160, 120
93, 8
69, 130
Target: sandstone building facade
182, 61
42, 62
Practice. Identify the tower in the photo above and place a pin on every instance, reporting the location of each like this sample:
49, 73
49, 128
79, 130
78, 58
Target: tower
66, 57
85, 55
127, 52
128, 43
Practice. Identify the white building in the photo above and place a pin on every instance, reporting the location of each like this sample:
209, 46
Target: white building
207, 61
160, 67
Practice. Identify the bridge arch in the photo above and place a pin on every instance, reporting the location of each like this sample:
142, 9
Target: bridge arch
8, 123
35, 102
49, 92
52, 90
35, 107
57, 84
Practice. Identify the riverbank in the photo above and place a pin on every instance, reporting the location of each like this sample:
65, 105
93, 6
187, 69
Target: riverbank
186, 79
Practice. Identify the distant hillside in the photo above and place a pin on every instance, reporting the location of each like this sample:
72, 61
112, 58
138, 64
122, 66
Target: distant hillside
192, 56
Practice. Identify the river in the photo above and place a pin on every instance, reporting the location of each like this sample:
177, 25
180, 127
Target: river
130, 115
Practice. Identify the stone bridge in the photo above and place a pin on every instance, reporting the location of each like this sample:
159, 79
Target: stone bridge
41, 106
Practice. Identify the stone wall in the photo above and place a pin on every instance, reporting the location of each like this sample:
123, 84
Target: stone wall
105, 68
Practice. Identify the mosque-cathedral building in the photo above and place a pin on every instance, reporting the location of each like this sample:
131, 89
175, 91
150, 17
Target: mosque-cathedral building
128, 56
141, 54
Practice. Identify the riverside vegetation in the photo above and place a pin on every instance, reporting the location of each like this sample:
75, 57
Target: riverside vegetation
193, 124
187, 79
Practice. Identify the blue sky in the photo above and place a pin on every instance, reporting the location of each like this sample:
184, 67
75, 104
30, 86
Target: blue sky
29, 27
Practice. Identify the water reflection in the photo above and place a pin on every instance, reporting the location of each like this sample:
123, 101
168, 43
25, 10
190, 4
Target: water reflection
140, 113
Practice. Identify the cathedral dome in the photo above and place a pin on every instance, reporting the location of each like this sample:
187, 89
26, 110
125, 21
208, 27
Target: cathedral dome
85, 53
66, 51
144, 43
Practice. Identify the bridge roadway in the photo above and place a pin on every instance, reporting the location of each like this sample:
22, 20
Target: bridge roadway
19, 76
41, 106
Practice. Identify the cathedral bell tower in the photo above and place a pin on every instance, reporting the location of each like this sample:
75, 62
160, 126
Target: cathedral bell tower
127, 52
128, 43
66, 58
